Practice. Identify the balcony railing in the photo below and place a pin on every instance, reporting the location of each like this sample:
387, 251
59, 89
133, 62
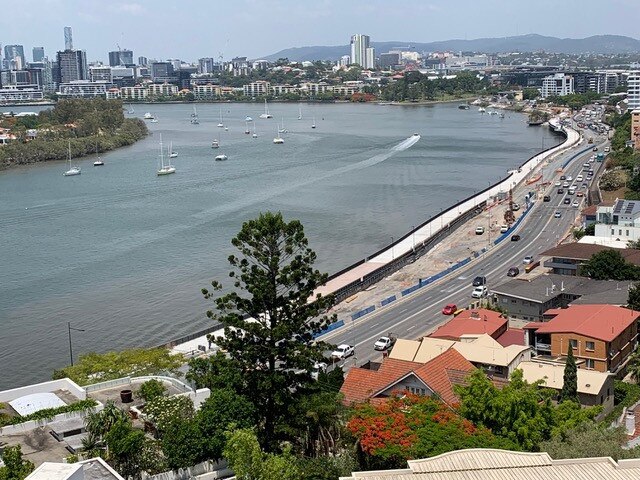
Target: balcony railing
543, 346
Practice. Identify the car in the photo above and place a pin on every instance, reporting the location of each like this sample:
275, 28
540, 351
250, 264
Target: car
560, 191
606, 149
343, 351
576, 203
504, 228
566, 184
515, 238
595, 149
546, 198
513, 272
569, 178
586, 165
580, 194
449, 309
479, 292
557, 214
558, 183
567, 201
528, 260
563, 177
579, 178
479, 281
317, 368
515, 207
479, 230
384, 343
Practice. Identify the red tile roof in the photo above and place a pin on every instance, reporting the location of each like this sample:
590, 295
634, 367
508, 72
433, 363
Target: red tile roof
513, 336
440, 374
472, 322
602, 322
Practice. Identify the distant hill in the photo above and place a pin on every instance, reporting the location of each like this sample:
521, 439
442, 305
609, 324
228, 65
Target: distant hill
607, 44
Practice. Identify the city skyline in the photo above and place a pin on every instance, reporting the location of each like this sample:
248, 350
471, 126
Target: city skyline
256, 29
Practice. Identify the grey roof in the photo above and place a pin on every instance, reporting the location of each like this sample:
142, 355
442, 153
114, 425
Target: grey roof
626, 207
545, 287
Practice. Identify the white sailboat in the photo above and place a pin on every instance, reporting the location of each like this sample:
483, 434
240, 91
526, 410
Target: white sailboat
220, 124
194, 117
165, 169
313, 125
255, 135
282, 130
299, 112
215, 143
266, 113
246, 128
99, 162
131, 111
248, 119
278, 140
75, 170
172, 154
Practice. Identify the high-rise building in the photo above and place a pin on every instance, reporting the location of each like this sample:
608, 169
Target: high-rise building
38, 54
558, 84
389, 59
14, 57
143, 61
370, 58
359, 46
206, 65
72, 66
68, 38
345, 60
120, 58
633, 90
162, 72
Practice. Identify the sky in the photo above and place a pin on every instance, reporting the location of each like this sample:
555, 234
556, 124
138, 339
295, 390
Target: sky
191, 29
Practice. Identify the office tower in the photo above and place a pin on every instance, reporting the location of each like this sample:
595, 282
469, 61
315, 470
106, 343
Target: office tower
370, 58
143, 61
38, 54
633, 90
120, 57
68, 38
72, 66
359, 45
14, 57
206, 65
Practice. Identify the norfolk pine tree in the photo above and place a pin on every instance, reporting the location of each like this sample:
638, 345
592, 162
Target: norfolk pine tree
274, 281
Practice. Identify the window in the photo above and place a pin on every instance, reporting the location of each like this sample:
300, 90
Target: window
590, 363
613, 232
417, 391
590, 346
574, 343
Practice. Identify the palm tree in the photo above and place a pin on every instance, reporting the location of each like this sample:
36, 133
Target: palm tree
99, 423
92, 446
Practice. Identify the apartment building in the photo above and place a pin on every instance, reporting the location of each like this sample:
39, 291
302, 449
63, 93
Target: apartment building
138, 92
558, 84
162, 89
258, 88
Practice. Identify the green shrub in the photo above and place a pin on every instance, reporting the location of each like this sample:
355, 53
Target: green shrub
151, 389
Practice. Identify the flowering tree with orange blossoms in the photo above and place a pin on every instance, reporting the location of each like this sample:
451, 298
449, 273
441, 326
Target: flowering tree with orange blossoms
401, 428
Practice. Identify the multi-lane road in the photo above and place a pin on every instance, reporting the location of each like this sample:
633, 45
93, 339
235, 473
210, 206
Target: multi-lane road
418, 314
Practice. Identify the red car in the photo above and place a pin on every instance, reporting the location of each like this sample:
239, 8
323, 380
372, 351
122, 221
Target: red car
449, 309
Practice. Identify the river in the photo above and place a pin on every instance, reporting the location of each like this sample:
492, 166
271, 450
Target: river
122, 253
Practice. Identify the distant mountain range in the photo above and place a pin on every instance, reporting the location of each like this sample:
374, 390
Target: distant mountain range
606, 44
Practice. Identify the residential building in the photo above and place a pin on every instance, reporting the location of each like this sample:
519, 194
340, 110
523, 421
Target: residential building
83, 89
346, 90
635, 128
312, 88
568, 258
633, 90
260, 65
162, 89
93, 468
206, 65
602, 336
620, 221
14, 57
345, 61
143, 61
14, 94
137, 92
37, 54
72, 66
558, 85
594, 388
100, 74
240, 66
257, 88
377, 381
473, 322
359, 46
530, 299
277, 90
491, 464
370, 58
205, 92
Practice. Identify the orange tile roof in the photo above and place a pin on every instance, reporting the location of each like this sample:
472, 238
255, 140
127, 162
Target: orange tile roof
486, 321
602, 322
440, 374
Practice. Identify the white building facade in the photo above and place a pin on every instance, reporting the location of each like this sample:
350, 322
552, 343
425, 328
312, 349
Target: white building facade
633, 90
360, 54
620, 222
558, 85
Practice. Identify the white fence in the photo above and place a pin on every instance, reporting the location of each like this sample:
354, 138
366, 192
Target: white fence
44, 387
183, 387
205, 470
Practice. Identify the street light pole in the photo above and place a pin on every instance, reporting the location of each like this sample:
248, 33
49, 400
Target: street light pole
413, 237
393, 257
69, 328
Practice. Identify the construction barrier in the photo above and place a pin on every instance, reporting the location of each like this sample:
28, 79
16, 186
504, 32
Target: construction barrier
388, 300
362, 313
329, 328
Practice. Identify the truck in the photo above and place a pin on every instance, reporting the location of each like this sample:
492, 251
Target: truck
384, 343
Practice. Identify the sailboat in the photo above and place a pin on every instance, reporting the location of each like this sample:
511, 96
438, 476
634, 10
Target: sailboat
266, 113
172, 154
246, 128
215, 143
131, 111
313, 125
194, 117
75, 170
255, 135
99, 162
165, 169
220, 124
278, 139
299, 112
282, 130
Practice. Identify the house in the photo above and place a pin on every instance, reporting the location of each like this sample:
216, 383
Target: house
589, 215
492, 464
567, 259
620, 221
436, 377
594, 388
530, 299
473, 322
602, 336
481, 350
93, 468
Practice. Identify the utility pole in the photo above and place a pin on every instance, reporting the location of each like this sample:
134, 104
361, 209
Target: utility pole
69, 328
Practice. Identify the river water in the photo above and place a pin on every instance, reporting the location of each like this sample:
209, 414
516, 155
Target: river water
122, 253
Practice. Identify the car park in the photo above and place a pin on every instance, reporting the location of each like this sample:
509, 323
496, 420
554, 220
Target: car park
449, 309
513, 272
515, 238
317, 368
343, 351
557, 214
528, 260
479, 230
480, 280
479, 292
567, 201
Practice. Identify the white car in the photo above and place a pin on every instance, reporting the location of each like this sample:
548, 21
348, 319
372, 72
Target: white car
479, 230
504, 228
558, 183
479, 292
528, 260
569, 178
317, 368
343, 351
576, 203
384, 343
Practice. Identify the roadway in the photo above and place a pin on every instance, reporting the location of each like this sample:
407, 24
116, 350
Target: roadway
421, 312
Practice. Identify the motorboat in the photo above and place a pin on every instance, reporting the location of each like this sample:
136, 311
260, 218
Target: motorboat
221, 158
148, 116
248, 119
463, 106
215, 144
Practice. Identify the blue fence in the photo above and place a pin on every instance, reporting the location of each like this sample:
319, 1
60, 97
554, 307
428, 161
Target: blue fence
388, 300
362, 313
330, 328
576, 155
